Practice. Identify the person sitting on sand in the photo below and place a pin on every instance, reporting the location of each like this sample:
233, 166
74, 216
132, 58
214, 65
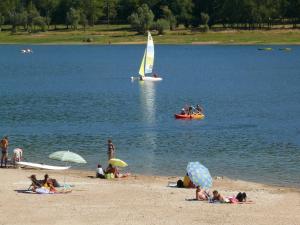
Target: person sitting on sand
50, 181
187, 183
100, 172
114, 170
35, 183
201, 194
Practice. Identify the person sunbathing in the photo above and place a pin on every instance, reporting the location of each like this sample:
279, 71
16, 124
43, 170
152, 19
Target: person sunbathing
114, 170
201, 194
35, 183
51, 181
218, 197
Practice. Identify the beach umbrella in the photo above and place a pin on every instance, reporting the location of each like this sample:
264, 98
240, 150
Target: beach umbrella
199, 175
67, 156
117, 162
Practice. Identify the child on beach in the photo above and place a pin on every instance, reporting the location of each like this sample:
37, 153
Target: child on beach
100, 172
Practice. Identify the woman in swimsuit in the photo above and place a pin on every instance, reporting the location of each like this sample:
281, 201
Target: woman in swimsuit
110, 150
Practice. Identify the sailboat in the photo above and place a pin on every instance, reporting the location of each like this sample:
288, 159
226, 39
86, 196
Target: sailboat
147, 62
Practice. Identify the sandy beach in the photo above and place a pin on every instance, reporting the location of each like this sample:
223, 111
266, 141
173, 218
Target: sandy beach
140, 200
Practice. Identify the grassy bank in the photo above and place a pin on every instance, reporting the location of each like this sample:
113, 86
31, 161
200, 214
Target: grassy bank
121, 34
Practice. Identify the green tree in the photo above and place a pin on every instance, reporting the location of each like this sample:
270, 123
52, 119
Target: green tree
168, 15
23, 19
205, 20
47, 8
83, 21
183, 10
93, 9
14, 19
293, 9
162, 25
2, 19
142, 19
126, 8
39, 22
110, 9
73, 18
32, 14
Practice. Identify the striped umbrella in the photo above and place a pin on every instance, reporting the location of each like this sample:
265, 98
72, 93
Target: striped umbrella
199, 175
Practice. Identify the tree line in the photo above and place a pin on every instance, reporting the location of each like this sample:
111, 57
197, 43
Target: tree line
32, 15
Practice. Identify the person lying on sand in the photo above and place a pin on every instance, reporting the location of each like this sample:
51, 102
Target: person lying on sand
201, 194
217, 197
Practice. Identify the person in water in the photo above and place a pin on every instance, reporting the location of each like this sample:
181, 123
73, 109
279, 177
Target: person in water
110, 150
4, 150
155, 75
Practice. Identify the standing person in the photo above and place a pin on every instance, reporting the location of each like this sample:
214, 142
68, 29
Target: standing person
4, 150
110, 150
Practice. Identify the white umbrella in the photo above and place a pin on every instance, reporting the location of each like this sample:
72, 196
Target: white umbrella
67, 156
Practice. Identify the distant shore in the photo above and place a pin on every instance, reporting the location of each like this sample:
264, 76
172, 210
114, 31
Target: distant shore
121, 34
140, 200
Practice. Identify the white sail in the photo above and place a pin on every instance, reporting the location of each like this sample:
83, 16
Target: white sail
142, 67
149, 55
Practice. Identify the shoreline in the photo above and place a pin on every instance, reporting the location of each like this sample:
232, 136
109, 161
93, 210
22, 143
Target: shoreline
88, 173
212, 43
139, 200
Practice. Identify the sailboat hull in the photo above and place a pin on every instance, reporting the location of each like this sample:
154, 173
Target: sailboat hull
145, 78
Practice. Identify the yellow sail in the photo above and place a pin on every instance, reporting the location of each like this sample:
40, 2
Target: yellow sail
142, 68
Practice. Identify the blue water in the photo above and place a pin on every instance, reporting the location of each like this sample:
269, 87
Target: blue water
76, 97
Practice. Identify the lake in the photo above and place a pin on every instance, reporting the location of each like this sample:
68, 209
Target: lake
76, 97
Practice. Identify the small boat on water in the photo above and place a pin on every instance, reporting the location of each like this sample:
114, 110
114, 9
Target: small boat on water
195, 116
26, 51
285, 49
147, 63
265, 49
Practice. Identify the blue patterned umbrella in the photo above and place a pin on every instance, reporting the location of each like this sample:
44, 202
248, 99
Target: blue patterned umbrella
199, 175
